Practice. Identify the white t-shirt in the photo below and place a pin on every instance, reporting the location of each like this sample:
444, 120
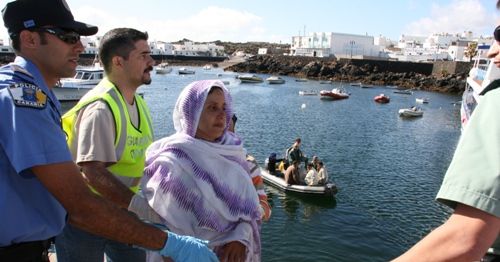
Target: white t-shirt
312, 177
95, 129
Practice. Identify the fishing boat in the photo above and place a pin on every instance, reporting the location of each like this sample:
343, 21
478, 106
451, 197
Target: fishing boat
334, 94
328, 190
275, 80
250, 78
72, 89
382, 99
483, 73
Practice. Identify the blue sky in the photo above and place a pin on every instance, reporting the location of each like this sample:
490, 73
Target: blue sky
277, 20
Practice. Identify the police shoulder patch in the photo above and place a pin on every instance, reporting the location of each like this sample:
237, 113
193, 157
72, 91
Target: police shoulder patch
28, 95
18, 69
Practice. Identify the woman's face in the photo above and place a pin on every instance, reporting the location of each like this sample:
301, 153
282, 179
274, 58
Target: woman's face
213, 117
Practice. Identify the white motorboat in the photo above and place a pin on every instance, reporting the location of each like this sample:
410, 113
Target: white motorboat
328, 190
275, 80
411, 112
308, 93
356, 84
483, 72
422, 100
72, 89
163, 69
185, 71
207, 67
250, 78
334, 94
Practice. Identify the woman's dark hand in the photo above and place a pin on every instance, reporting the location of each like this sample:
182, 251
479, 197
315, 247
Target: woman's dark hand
233, 252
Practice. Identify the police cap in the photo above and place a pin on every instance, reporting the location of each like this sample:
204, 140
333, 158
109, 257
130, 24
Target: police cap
27, 14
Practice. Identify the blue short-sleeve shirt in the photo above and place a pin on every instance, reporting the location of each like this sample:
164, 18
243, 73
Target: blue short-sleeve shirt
30, 135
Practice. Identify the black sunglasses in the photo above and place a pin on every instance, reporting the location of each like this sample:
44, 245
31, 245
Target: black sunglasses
496, 33
68, 37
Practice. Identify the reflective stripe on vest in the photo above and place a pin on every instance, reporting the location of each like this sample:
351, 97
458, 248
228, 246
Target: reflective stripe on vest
130, 142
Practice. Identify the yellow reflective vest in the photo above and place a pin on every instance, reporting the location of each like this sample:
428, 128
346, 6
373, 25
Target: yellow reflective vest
130, 142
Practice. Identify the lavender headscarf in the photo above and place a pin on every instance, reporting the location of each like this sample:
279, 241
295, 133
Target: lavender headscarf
203, 188
190, 103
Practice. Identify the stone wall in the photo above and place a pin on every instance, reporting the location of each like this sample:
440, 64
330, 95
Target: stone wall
441, 68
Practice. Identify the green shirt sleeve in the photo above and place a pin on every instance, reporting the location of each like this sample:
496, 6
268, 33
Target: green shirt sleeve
473, 177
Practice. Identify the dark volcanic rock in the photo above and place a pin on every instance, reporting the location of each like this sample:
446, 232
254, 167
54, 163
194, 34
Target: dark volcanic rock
401, 74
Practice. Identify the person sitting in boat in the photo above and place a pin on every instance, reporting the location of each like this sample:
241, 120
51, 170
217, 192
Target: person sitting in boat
322, 174
314, 162
292, 175
312, 177
414, 108
271, 163
198, 180
294, 153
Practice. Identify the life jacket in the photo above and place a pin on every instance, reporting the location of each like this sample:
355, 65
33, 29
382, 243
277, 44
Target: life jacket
130, 142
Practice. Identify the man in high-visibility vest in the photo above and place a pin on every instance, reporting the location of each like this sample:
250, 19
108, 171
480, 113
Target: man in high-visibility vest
108, 132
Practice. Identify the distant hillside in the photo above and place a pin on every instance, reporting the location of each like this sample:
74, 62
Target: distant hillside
248, 48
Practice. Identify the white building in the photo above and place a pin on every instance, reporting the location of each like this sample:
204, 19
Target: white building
324, 44
161, 48
383, 41
442, 46
191, 49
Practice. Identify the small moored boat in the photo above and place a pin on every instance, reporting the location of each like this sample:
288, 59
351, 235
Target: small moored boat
382, 99
334, 94
328, 190
422, 100
411, 112
404, 92
308, 93
185, 71
275, 80
250, 78
162, 69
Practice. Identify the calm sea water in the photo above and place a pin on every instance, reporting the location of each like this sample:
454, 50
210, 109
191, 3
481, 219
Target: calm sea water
388, 169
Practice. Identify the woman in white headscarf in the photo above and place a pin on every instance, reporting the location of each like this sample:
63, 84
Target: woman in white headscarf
198, 180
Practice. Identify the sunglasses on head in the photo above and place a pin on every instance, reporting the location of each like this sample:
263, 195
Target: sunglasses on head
68, 37
496, 33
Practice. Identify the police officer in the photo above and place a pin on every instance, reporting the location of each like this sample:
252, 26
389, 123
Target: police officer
40, 187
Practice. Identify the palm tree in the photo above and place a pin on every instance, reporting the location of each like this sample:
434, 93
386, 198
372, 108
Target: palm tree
471, 50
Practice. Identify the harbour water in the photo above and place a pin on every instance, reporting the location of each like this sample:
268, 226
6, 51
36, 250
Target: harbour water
387, 169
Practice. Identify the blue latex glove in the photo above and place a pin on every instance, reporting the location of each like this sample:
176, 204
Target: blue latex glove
186, 248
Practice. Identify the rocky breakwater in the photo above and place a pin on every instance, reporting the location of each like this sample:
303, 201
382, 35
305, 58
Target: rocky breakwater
420, 76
